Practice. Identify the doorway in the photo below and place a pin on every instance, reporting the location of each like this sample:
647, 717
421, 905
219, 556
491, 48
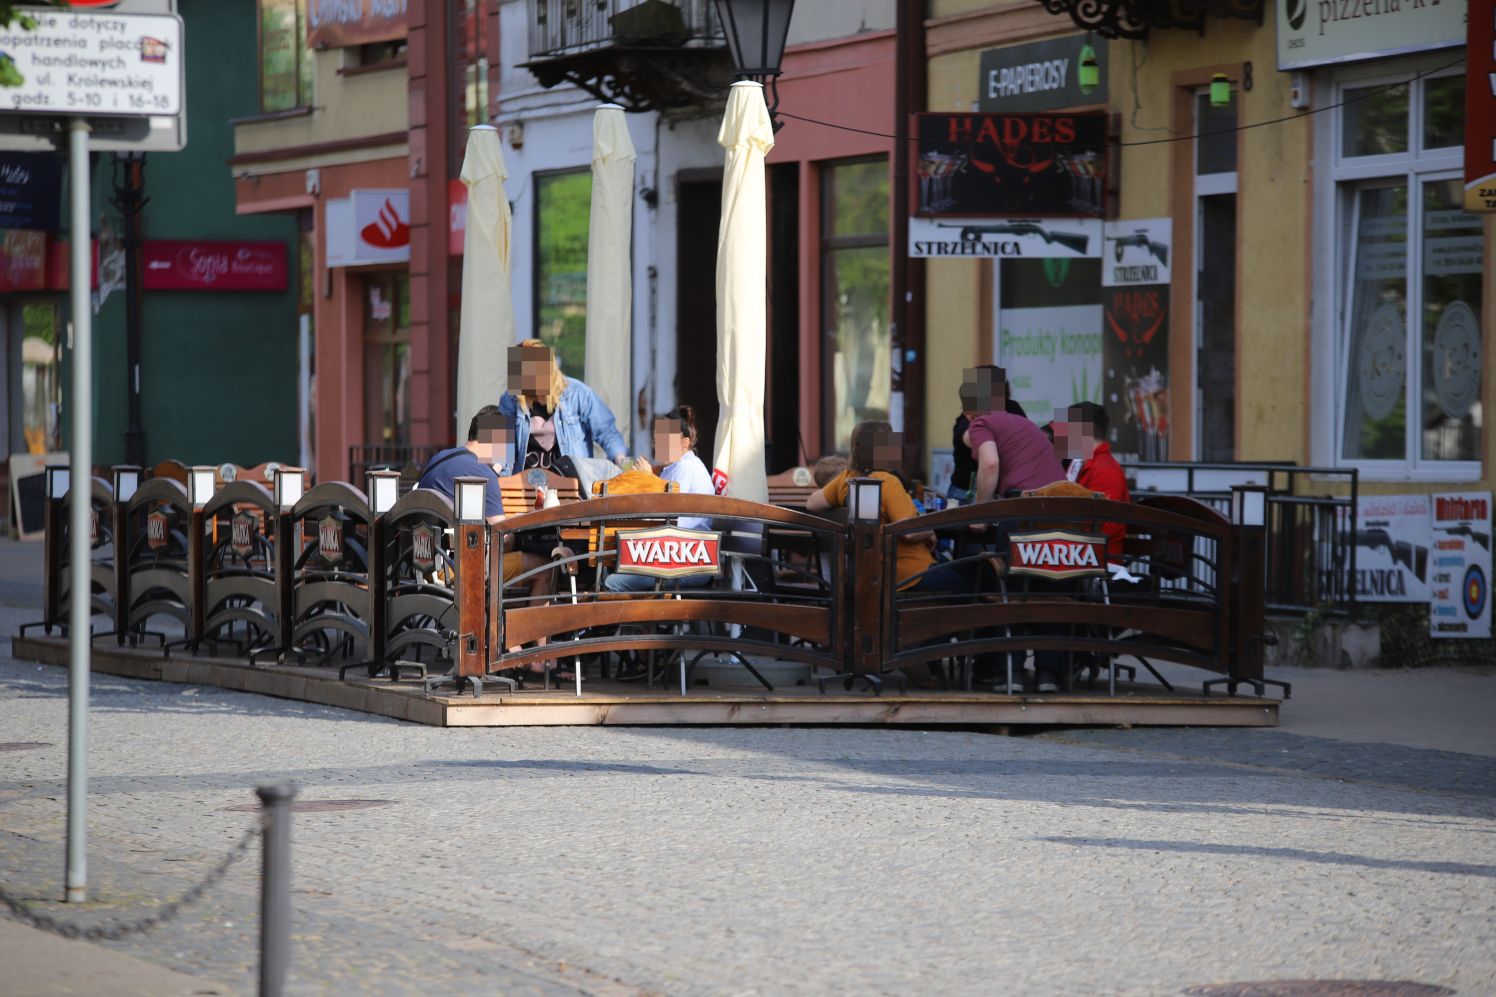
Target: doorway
699, 214
1215, 279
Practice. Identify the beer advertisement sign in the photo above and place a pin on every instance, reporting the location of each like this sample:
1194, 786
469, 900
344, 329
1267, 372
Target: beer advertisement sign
330, 539
423, 547
1460, 576
1058, 554
157, 530
242, 534
670, 552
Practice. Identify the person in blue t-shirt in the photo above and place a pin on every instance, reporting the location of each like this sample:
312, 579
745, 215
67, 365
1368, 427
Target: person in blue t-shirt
490, 444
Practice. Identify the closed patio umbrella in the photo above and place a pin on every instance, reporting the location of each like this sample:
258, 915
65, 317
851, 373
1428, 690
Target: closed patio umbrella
486, 330
609, 275
742, 306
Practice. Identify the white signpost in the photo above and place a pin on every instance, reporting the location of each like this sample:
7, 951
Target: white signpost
84, 66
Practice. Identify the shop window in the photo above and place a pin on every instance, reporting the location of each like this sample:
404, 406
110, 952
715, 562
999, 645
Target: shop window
1410, 263
285, 61
469, 27
387, 359
856, 362
563, 208
41, 380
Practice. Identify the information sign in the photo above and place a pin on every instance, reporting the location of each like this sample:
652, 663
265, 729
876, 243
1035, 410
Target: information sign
1460, 576
95, 64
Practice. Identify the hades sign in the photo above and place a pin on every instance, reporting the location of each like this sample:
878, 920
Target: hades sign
1058, 554
423, 547
1012, 164
157, 526
242, 534
330, 539
670, 552
1135, 370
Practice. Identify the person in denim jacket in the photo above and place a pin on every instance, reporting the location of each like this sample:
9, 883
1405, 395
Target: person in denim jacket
558, 420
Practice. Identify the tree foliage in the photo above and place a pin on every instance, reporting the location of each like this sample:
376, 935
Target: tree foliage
10, 76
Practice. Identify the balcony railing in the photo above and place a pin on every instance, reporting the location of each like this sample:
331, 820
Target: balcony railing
643, 54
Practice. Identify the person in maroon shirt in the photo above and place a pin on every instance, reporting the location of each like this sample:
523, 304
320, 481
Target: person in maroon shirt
1012, 454
1081, 438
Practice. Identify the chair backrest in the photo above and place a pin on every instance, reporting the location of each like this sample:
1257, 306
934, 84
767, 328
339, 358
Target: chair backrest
628, 483
1063, 489
791, 488
173, 470
518, 493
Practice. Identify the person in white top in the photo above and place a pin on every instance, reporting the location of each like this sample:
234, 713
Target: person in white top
674, 446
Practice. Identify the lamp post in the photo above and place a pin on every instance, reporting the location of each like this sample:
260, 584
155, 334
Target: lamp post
756, 31
286, 490
126, 481
129, 198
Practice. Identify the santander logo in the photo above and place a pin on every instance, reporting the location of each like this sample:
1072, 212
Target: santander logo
669, 552
387, 230
1058, 554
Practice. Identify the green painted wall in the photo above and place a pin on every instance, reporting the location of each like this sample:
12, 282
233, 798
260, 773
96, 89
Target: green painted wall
218, 370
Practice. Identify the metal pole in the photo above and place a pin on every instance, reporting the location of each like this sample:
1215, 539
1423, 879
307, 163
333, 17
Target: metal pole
130, 198
79, 633
275, 887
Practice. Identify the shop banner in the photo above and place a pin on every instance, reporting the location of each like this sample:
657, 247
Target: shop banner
1137, 252
1480, 107
1392, 548
30, 190
1317, 32
368, 226
1007, 165
1041, 76
994, 238
341, 23
1135, 370
1052, 356
179, 265
1460, 578
23, 260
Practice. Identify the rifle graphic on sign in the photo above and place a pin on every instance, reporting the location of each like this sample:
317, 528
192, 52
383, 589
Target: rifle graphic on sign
1412, 557
1464, 530
1140, 239
1076, 242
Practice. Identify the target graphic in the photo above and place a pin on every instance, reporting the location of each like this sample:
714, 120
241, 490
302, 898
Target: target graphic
1474, 591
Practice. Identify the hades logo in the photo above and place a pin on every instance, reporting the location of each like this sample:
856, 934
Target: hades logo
1058, 554
242, 534
157, 525
388, 230
423, 547
670, 552
1296, 10
330, 539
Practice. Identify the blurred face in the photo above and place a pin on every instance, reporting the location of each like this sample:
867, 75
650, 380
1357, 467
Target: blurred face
888, 449
983, 390
530, 369
670, 441
1075, 438
493, 442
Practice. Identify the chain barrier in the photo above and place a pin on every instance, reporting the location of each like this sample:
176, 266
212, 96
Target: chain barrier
165, 913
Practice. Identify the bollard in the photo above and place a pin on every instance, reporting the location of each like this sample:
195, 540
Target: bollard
275, 887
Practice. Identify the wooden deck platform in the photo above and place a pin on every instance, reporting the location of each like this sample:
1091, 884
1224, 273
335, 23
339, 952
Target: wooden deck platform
630, 704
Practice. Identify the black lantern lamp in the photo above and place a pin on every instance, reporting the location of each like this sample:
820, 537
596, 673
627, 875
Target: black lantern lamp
756, 32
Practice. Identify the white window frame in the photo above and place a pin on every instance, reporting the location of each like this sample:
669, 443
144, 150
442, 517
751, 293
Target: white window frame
1337, 179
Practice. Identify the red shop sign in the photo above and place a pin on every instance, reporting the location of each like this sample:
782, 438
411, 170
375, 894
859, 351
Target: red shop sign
173, 265
669, 552
457, 201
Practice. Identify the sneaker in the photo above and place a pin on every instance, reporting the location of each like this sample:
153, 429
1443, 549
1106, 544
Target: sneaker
1047, 686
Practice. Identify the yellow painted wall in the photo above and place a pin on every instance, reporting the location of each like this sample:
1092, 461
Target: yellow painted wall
346, 106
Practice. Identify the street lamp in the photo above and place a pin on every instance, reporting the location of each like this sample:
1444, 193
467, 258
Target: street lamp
384, 488
59, 478
126, 480
469, 494
1220, 90
867, 495
129, 198
290, 483
1249, 505
756, 32
200, 482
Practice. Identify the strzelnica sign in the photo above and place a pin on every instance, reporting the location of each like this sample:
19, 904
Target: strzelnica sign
1040, 76
1005, 165
1318, 32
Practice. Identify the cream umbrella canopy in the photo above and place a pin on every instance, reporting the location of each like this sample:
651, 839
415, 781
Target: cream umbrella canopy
486, 329
609, 275
742, 307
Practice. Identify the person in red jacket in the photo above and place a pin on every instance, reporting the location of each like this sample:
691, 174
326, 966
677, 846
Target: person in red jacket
1080, 437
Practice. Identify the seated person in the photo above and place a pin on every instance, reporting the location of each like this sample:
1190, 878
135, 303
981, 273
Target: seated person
1080, 437
675, 447
876, 451
827, 468
490, 443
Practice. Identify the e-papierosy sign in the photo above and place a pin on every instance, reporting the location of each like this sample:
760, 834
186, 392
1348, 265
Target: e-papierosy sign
96, 64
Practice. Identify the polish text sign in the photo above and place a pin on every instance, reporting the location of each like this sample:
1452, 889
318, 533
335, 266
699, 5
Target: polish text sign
1480, 107
670, 552
176, 265
1392, 548
95, 64
1460, 575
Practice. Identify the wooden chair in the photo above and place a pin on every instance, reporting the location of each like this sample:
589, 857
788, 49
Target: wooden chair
173, 470
790, 489
518, 493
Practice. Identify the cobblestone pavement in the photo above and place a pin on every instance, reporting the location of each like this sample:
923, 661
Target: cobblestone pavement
748, 861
